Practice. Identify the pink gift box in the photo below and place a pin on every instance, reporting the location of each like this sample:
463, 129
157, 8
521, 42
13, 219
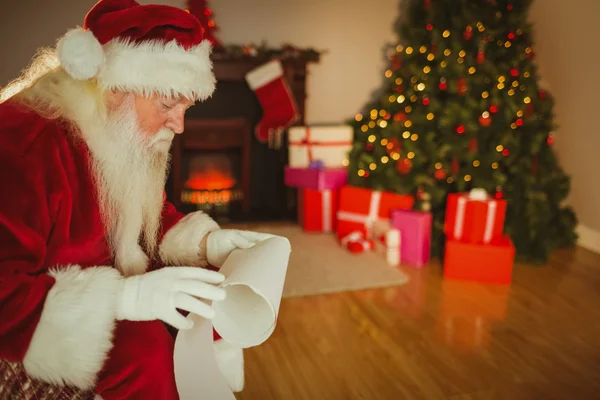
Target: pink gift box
315, 178
415, 228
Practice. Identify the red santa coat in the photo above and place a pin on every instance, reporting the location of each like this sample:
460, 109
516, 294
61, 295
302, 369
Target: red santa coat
57, 287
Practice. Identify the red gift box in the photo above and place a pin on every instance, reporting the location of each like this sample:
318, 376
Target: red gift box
487, 263
317, 209
361, 208
474, 217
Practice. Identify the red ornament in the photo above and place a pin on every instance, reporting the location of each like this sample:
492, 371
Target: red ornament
494, 109
519, 122
429, 27
468, 34
404, 166
443, 86
509, 7
369, 147
460, 129
529, 109
505, 152
393, 146
396, 62
514, 72
200, 10
480, 57
425, 101
455, 166
473, 145
511, 36
550, 140
440, 174
400, 116
399, 89
366, 175
499, 195
485, 121
462, 86
426, 4
542, 94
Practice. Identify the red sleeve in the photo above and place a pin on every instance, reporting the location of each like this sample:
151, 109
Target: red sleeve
25, 224
56, 320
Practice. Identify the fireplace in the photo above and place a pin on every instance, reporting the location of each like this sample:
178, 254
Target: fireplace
218, 164
211, 168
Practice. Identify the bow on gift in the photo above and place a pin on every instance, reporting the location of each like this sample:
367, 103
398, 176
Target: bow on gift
356, 242
317, 164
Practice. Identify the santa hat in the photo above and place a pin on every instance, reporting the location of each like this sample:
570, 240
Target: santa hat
144, 49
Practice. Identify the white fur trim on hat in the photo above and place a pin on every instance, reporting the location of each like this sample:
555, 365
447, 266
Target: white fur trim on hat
153, 66
80, 54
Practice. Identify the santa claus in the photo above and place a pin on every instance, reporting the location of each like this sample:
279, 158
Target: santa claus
94, 262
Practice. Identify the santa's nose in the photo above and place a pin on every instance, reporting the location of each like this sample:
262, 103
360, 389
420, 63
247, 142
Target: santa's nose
176, 122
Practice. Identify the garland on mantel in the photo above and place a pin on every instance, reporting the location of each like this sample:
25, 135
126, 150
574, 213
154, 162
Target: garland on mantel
251, 50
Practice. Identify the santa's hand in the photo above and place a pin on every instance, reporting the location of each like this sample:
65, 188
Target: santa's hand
158, 295
222, 242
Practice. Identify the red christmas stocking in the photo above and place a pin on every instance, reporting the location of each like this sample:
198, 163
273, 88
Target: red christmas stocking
275, 97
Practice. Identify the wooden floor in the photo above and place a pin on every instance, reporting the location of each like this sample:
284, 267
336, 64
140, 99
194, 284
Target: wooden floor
435, 339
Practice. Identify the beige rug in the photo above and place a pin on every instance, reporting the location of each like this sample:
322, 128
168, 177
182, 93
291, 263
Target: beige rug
319, 265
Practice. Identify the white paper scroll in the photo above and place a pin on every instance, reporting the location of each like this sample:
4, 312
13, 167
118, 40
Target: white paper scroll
246, 318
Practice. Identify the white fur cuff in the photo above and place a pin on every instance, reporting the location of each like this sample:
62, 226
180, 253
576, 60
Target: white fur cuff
75, 331
181, 244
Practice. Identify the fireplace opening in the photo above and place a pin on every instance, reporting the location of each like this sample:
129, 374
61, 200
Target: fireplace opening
211, 183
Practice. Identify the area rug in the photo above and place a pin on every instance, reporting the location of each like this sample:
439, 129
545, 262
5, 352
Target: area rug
318, 265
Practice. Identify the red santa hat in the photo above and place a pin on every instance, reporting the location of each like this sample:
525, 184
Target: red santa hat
144, 49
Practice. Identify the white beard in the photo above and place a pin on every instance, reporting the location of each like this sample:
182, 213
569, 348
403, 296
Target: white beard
130, 172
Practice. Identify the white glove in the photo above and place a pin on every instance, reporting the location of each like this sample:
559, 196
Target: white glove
158, 294
223, 241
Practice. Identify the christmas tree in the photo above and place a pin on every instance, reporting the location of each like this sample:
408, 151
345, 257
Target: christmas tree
200, 10
461, 107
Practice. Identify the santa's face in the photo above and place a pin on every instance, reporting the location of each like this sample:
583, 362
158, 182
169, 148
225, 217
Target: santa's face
161, 114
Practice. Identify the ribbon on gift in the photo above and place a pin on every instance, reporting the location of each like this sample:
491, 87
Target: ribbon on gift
326, 206
310, 143
475, 195
356, 242
368, 220
317, 164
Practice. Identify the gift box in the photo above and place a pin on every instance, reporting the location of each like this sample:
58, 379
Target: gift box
415, 228
315, 178
474, 217
388, 242
330, 144
487, 263
360, 209
317, 209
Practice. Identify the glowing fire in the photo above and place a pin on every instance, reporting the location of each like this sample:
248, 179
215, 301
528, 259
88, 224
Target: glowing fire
210, 180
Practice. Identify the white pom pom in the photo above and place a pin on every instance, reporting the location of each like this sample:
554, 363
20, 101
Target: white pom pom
80, 54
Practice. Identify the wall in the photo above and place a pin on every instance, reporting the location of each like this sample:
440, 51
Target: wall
566, 47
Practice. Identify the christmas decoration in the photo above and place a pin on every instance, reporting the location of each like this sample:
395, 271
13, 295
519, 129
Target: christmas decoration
200, 10
415, 229
480, 83
276, 100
